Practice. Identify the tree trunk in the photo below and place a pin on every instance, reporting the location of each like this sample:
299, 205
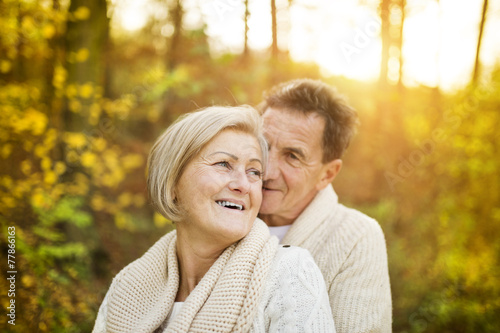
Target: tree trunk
174, 51
402, 4
245, 46
477, 64
174, 58
87, 34
274, 46
56, 45
86, 40
386, 40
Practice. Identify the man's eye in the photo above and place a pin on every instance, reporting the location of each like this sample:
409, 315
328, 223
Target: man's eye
293, 156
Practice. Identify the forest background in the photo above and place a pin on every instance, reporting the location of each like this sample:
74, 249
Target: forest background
83, 97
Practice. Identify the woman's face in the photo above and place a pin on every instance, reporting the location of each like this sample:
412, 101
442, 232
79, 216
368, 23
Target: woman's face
221, 188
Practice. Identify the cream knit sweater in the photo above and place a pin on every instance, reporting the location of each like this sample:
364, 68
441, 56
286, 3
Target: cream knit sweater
236, 294
349, 248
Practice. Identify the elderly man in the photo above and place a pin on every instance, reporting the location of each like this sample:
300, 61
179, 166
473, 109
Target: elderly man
308, 127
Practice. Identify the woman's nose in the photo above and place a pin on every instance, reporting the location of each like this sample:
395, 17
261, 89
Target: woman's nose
239, 182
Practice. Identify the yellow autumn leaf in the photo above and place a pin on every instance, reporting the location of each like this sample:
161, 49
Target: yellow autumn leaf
124, 221
86, 90
59, 78
82, 55
40, 151
49, 31
9, 202
38, 199
27, 281
79, 188
5, 66
110, 158
94, 113
75, 140
27, 23
88, 159
50, 137
35, 93
139, 200
26, 167
38, 120
153, 115
59, 167
6, 150
81, 13
58, 190
113, 178
32, 120
71, 157
17, 192
97, 202
75, 105
6, 181
71, 90
132, 161
160, 221
46, 163
50, 177
72, 272
99, 144
124, 199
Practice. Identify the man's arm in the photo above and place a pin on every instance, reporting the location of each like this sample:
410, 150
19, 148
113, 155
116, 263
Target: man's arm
360, 294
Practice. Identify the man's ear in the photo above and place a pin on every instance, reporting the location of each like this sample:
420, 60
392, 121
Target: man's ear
329, 172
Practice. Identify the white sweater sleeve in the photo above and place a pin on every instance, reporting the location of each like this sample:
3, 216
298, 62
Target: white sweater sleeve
100, 322
295, 298
360, 294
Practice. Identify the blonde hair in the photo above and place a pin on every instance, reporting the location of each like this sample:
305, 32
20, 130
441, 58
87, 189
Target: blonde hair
184, 139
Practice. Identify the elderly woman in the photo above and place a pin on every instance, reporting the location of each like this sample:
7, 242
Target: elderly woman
220, 270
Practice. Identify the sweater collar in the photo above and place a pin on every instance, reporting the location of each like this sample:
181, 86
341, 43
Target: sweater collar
225, 300
313, 215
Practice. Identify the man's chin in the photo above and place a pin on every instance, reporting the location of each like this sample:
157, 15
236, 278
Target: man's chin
267, 208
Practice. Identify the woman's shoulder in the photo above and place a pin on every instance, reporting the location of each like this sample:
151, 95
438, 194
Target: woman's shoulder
295, 297
292, 263
292, 255
153, 259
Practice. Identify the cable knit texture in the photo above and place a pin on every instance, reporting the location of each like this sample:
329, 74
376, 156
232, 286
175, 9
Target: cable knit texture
349, 248
252, 287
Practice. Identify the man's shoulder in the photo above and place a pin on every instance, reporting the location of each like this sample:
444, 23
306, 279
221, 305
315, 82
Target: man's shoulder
349, 234
345, 231
354, 222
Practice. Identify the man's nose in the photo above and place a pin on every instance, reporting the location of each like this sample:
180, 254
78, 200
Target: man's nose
272, 170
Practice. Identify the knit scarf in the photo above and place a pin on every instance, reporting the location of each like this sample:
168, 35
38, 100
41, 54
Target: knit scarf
225, 300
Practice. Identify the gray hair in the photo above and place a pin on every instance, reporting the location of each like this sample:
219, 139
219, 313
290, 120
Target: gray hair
313, 96
184, 139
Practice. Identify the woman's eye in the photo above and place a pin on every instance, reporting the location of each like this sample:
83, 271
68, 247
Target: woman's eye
224, 164
255, 172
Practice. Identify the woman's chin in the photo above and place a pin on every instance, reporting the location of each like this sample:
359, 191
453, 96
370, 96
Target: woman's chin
232, 235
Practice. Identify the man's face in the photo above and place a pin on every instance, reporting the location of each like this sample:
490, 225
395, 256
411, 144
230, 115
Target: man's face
295, 171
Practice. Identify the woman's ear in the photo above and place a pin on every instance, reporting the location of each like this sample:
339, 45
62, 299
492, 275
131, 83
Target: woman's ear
329, 172
173, 194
